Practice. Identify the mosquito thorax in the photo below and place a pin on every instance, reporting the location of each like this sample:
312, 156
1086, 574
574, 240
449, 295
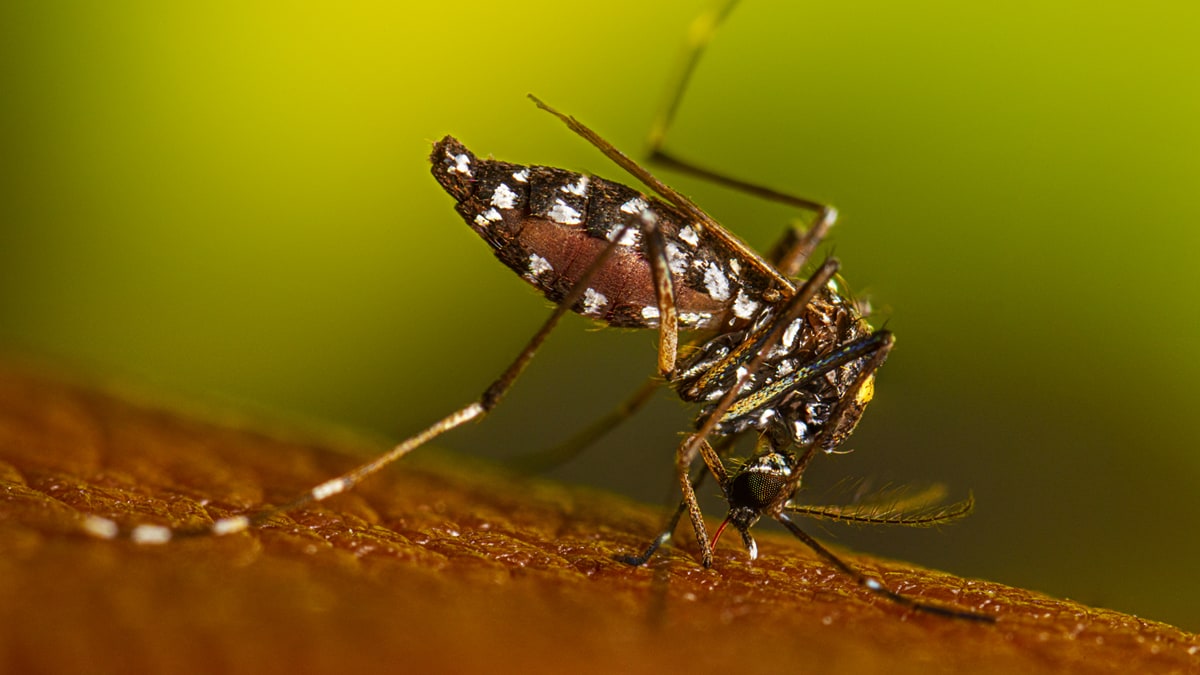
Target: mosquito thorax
775, 401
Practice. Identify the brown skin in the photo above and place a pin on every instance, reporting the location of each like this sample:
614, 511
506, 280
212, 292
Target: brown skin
442, 565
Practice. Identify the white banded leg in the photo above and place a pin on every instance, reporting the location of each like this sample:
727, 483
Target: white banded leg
158, 534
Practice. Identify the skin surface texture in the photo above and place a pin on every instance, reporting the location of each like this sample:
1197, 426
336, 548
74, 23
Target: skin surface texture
442, 565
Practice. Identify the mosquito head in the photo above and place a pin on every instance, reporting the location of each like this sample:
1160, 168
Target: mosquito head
760, 483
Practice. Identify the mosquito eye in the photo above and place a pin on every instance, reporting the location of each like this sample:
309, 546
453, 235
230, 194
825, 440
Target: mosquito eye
756, 489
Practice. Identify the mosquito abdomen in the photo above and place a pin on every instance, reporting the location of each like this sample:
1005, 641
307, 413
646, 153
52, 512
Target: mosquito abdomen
549, 224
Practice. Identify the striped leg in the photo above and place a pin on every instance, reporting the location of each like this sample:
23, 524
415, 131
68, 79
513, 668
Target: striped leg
157, 534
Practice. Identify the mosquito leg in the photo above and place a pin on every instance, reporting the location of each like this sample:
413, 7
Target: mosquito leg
848, 402
751, 353
866, 347
794, 249
788, 258
683, 461
663, 536
664, 291
663, 190
668, 341
668, 530
668, 346
876, 347
667, 352
712, 460
684, 457
874, 585
921, 509
622, 160
702, 31
696, 442
154, 534
659, 156
561, 453
717, 469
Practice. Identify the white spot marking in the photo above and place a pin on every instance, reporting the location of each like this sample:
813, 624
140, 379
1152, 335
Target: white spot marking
741, 372
462, 164
677, 260
521, 176
716, 282
649, 312
635, 205
743, 306
766, 416
504, 197
785, 368
593, 300
735, 266
789, 335
561, 213
630, 237
696, 370
799, 431
538, 266
578, 188
694, 318
230, 525
649, 219
689, 236
488, 217
762, 320
150, 534
100, 527
328, 489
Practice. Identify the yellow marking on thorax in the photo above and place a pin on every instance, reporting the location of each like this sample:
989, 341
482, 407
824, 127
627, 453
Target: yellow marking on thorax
866, 392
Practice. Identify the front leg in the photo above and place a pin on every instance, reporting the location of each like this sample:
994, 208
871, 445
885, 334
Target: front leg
684, 456
794, 249
664, 292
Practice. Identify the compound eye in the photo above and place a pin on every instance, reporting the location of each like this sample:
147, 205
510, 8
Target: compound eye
756, 489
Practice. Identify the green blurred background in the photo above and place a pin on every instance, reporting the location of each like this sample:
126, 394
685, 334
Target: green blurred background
232, 201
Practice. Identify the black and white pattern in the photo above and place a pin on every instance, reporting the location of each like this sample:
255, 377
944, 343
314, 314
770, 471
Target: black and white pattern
546, 224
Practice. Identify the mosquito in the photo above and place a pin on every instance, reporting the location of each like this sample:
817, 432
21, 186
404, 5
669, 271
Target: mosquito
789, 360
